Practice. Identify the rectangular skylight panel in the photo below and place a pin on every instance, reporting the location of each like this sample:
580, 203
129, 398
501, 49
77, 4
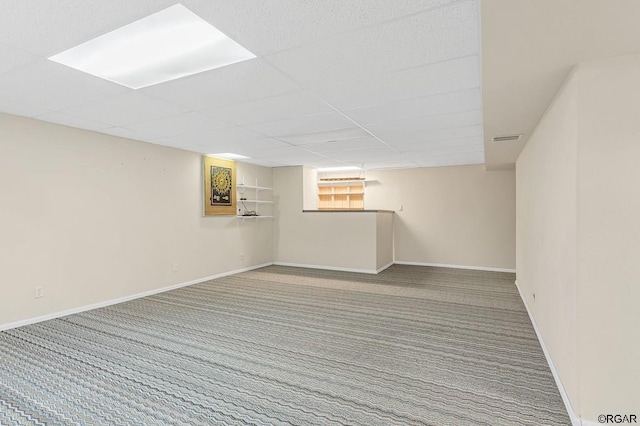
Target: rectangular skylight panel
167, 45
229, 156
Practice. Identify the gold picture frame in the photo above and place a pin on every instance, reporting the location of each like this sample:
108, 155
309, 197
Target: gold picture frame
219, 186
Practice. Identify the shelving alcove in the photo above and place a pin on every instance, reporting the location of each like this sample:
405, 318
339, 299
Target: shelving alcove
252, 199
341, 194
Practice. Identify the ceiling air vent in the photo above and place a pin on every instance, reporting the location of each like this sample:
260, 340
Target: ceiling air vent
508, 138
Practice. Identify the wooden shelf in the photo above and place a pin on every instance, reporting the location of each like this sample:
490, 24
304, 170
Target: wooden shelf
341, 194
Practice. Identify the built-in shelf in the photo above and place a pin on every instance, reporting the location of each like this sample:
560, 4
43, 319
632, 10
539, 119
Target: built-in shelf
251, 204
260, 188
253, 217
346, 181
341, 194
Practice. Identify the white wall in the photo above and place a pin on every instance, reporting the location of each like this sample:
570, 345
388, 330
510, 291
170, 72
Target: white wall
579, 235
92, 217
461, 215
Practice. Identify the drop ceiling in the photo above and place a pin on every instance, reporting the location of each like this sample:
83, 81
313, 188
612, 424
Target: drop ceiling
384, 83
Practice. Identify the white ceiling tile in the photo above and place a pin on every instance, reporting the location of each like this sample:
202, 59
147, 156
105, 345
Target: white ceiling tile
293, 156
130, 107
12, 58
263, 162
431, 37
419, 139
326, 136
16, 108
218, 139
397, 164
298, 104
379, 153
423, 140
180, 124
255, 148
454, 75
342, 145
241, 82
405, 128
441, 153
406, 69
445, 103
299, 125
442, 145
438, 150
47, 27
54, 87
71, 121
285, 152
262, 144
278, 25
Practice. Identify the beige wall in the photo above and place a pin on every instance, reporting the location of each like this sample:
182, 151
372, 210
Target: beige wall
384, 239
92, 217
460, 215
579, 235
309, 188
330, 240
609, 236
547, 231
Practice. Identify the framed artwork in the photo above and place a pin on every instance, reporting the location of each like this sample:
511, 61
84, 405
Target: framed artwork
219, 186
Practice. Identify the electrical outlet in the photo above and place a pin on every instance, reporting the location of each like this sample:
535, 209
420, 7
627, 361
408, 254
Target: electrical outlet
39, 292
175, 267
241, 256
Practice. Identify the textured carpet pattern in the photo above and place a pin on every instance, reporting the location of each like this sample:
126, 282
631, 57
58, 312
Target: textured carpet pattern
278, 345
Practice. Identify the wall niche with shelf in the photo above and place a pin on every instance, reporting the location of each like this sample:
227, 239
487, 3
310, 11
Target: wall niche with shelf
254, 201
341, 194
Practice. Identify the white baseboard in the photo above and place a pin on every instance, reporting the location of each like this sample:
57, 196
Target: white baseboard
384, 267
123, 299
445, 265
375, 271
330, 268
575, 419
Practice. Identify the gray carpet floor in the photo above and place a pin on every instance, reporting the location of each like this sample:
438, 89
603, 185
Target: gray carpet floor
280, 345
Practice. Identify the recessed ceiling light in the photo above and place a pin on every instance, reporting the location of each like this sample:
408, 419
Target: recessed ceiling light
338, 169
170, 44
229, 155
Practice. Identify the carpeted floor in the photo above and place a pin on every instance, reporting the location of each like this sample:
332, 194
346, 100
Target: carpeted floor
279, 345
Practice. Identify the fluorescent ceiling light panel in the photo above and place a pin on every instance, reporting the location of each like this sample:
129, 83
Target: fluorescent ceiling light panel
167, 45
229, 156
338, 169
